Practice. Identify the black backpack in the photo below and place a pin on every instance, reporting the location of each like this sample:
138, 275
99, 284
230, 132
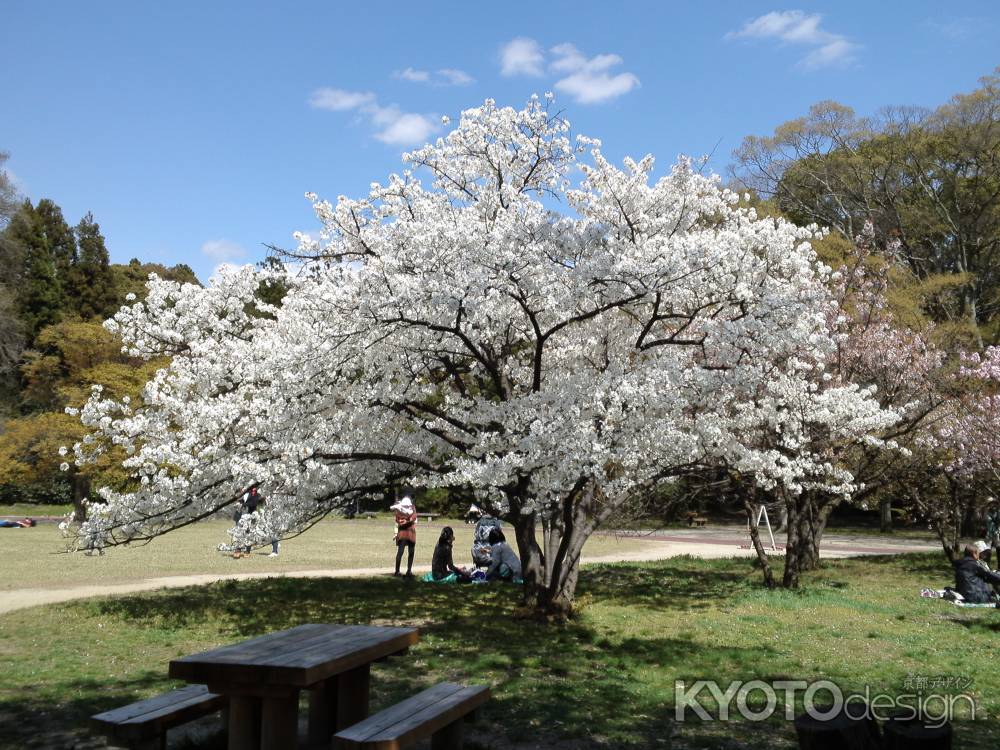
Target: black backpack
481, 540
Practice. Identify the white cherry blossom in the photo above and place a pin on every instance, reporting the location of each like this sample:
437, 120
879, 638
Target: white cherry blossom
508, 315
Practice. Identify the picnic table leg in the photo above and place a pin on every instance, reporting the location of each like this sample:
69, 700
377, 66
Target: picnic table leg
448, 738
155, 743
279, 725
352, 696
244, 722
323, 713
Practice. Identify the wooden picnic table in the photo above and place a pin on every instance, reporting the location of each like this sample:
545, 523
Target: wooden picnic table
262, 678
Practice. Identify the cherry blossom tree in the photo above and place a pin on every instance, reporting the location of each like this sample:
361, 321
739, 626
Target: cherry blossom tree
900, 367
512, 315
961, 470
974, 434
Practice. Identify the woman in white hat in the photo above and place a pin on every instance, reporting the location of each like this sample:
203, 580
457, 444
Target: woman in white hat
406, 533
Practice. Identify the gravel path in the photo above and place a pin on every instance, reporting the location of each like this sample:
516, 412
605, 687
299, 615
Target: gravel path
703, 542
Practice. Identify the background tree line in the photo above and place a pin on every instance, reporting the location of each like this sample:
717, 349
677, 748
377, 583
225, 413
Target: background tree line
57, 286
912, 199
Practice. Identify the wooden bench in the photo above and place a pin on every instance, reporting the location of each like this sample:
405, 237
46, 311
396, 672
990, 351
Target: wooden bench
694, 519
143, 725
437, 713
426, 516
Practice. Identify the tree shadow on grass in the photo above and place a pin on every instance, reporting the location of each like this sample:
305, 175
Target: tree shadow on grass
933, 564
33, 720
566, 683
681, 586
978, 625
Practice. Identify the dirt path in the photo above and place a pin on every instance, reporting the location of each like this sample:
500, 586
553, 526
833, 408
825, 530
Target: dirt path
705, 543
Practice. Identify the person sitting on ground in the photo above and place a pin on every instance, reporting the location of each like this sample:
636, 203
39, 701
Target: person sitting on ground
24, 523
504, 565
973, 578
984, 559
442, 564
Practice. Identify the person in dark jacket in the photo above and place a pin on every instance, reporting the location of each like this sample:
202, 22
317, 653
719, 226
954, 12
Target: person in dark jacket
973, 579
252, 501
442, 564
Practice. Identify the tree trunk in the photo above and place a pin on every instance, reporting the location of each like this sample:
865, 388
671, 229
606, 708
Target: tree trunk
81, 491
885, 515
765, 564
550, 575
949, 550
533, 569
807, 519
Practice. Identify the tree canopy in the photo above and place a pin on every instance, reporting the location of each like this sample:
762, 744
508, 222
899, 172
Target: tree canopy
928, 182
549, 331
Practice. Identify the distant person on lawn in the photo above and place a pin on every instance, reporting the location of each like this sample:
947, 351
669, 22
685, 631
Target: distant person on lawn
973, 578
406, 533
252, 501
24, 523
443, 565
504, 564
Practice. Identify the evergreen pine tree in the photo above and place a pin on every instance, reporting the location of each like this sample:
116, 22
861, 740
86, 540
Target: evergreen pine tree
33, 275
61, 243
91, 282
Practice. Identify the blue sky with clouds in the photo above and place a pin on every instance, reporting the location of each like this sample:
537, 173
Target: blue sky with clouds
192, 130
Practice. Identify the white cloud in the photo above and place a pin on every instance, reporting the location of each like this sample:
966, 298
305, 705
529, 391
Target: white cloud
442, 77
223, 251
408, 129
521, 56
338, 100
455, 77
796, 27
958, 29
224, 268
416, 76
589, 80
586, 80
393, 126
837, 52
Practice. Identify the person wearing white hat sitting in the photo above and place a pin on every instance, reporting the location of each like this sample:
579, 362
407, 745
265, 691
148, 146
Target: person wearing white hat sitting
406, 533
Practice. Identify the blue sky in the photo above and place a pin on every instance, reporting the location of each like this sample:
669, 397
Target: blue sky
192, 130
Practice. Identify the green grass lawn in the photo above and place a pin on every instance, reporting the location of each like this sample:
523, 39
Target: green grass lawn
36, 557
899, 533
604, 680
34, 510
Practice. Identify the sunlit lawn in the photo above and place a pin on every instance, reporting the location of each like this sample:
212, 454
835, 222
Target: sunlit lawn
605, 680
36, 557
34, 510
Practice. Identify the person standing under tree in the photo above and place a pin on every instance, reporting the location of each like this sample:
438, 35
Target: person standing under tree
249, 505
406, 533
